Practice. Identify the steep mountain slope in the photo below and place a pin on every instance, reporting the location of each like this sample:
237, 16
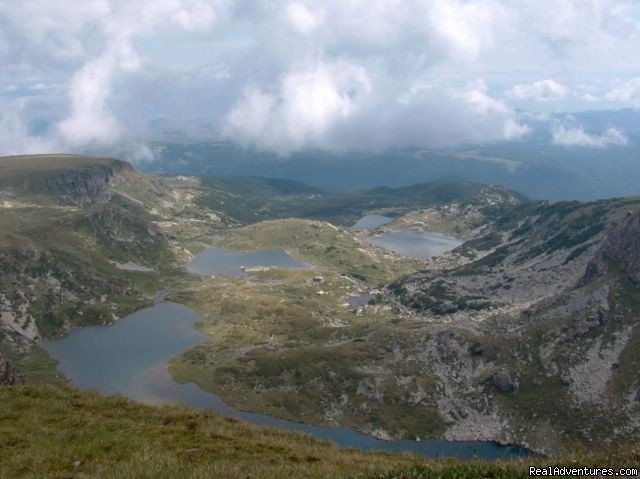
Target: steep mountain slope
535, 333
64, 235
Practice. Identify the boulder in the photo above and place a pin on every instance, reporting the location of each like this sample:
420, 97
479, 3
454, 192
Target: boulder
504, 383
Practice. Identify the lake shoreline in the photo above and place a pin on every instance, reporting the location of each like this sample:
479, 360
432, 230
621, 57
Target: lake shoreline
342, 436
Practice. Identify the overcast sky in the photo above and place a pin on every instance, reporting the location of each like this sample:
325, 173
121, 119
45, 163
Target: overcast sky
332, 74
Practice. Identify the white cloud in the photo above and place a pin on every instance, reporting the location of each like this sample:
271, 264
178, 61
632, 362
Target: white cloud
336, 106
481, 103
543, 90
251, 117
478, 99
627, 92
141, 153
303, 19
591, 98
308, 102
564, 136
513, 130
41, 34
199, 16
409, 66
467, 28
90, 121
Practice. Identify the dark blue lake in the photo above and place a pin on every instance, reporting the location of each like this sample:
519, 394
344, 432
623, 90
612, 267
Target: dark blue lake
131, 357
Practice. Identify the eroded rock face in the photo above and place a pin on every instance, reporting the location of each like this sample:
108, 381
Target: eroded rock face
82, 187
8, 374
621, 246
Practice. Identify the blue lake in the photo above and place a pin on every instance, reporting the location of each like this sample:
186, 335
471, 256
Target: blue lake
131, 357
215, 261
371, 222
415, 245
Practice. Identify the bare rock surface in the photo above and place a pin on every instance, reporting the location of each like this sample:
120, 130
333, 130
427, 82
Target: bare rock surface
621, 246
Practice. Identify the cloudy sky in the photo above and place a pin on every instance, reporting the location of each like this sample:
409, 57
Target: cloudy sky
329, 74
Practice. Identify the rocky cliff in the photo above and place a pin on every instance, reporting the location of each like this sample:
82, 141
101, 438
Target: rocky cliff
620, 249
63, 179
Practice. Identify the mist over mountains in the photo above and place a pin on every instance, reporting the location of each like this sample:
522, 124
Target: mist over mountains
580, 156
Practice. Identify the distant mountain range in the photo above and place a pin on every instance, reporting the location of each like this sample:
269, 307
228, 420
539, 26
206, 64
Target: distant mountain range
533, 165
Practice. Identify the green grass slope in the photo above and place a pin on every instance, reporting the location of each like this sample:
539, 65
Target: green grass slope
56, 432
60, 432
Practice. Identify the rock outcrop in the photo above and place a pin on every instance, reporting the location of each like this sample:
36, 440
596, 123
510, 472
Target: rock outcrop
8, 374
65, 179
81, 187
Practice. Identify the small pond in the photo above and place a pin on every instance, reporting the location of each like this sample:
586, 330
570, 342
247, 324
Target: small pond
360, 299
215, 261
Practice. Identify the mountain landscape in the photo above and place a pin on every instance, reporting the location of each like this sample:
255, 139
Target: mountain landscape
388, 239
524, 334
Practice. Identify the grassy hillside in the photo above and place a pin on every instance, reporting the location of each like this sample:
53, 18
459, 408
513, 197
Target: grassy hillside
249, 200
323, 245
62, 179
61, 432
58, 432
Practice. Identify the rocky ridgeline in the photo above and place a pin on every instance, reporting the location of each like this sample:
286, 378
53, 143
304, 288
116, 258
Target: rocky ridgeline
9, 376
64, 179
